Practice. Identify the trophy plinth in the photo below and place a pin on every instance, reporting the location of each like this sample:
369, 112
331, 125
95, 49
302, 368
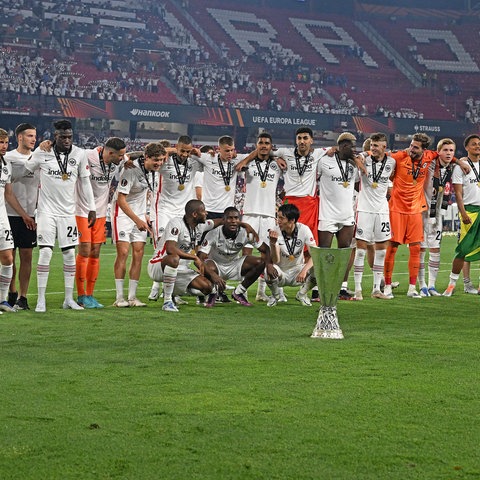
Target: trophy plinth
330, 265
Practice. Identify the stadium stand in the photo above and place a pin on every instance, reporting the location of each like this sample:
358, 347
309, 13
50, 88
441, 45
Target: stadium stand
222, 53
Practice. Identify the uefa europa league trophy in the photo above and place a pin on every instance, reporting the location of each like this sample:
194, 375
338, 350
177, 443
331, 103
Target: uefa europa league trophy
330, 265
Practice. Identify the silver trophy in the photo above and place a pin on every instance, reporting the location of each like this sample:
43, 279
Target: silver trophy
330, 265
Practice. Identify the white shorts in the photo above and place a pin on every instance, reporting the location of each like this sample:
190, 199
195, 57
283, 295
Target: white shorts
373, 227
159, 222
288, 277
334, 226
432, 232
230, 271
261, 224
125, 230
64, 229
6, 239
185, 276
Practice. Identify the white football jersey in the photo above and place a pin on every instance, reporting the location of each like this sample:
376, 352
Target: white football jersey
291, 249
5, 177
187, 239
300, 176
471, 189
101, 177
57, 192
224, 250
25, 187
372, 197
178, 187
260, 196
336, 196
216, 195
135, 183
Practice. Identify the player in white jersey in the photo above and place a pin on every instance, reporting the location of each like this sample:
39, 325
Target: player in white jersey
103, 162
259, 208
177, 188
220, 177
171, 260
287, 244
25, 188
300, 176
60, 169
437, 188
221, 250
337, 177
130, 225
373, 216
6, 239
467, 193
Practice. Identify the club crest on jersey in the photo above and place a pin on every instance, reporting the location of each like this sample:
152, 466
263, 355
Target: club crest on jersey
121, 234
298, 243
238, 245
5, 170
124, 182
205, 243
174, 231
388, 168
72, 162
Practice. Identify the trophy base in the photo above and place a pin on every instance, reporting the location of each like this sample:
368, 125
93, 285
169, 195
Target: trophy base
333, 334
327, 324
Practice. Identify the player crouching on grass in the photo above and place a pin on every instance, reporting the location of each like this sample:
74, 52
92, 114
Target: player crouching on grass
221, 253
171, 260
287, 244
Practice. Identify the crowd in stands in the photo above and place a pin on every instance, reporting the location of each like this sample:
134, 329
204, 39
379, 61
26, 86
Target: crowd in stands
130, 64
384, 111
472, 113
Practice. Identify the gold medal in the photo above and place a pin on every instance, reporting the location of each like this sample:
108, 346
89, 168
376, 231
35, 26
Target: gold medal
414, 181
64, 176
181, 187
346, 184
263, 184
478, 184
440, 189
227, 188
193, 252
374, 185
291, 257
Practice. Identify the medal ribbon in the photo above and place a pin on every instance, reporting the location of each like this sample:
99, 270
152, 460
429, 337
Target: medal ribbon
446, 176
264, 174
193, 235
226, 175
301, 168
151, 186
290, 246
375, 177
416, 172
343, 173
181, 176
61, 166
477, 178
102, 164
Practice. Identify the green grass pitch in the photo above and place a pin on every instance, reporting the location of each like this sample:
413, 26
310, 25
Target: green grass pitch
241, 393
